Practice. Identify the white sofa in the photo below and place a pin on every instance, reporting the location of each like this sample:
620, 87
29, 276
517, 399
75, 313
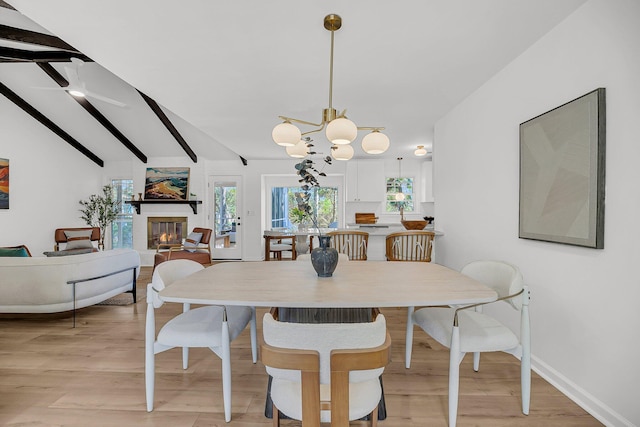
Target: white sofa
40, 284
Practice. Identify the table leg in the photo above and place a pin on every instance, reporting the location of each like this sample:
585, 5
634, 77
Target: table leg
267, 244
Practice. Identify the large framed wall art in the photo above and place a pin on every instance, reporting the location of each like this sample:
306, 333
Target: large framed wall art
166, 184
562, 173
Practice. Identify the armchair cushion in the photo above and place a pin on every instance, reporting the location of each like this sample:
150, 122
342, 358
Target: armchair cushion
192, 241
78, 239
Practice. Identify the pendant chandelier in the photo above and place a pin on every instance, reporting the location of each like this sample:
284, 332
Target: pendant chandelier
340, 131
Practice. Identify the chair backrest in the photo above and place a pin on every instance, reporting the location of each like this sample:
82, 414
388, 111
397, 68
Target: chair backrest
504, 278
323, 338
351, 242
206, 234
168, 272
414, 245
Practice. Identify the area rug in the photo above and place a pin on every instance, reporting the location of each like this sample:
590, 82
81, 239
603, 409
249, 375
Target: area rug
122, 299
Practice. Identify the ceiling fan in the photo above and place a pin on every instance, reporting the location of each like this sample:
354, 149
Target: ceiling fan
78, 88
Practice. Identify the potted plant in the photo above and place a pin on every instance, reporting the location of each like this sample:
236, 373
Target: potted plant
299, 217
324, 258
100, 211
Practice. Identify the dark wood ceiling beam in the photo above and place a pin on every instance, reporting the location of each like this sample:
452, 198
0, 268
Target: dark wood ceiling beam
9, 54
29, 109
27, 36
57, 77
170, 127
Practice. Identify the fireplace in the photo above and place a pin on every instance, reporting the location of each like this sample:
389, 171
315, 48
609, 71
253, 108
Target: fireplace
167, 230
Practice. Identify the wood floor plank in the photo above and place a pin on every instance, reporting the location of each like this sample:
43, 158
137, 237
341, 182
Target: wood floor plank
52, 375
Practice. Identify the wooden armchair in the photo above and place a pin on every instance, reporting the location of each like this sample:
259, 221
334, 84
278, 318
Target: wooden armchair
351, 242
200, 252
325, 372
76, 238
414, 245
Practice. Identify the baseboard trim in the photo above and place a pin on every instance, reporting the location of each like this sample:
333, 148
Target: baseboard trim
582, 398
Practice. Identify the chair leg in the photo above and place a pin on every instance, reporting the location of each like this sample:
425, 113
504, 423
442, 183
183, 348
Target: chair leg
525, 360
149, 362
408, 342
226, 371
476, 361
454, 375
373, 416
185, 350
275, 415
254, 336
185, 357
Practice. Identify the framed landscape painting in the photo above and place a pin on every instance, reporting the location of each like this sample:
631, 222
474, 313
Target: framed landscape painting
562, 173
4, 183
166, 184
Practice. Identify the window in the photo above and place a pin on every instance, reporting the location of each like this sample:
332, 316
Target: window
394, 186
122, 227
225, 210
324, 202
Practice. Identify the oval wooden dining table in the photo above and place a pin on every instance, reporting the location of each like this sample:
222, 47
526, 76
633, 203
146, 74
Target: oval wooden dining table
353, 284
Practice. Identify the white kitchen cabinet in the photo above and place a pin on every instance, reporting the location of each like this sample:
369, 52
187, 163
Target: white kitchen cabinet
365, 181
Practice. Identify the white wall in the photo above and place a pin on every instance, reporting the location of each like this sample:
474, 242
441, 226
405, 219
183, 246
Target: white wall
584, 309
48, 178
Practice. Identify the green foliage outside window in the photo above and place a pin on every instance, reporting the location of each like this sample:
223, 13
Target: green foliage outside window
394, 186
323, 202
225, 208
122, 226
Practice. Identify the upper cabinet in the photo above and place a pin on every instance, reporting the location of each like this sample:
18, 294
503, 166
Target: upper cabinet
365, 181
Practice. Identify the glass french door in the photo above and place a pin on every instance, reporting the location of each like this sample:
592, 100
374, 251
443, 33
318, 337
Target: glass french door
227, 221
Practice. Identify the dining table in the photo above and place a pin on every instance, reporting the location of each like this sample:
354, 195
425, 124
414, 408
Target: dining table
355, 287
353, 284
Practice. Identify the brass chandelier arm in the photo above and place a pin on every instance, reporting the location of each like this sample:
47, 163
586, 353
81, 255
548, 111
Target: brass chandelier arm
313, 130
290, 119
376, 128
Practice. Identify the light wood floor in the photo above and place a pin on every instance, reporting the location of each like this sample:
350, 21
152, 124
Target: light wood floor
93, 375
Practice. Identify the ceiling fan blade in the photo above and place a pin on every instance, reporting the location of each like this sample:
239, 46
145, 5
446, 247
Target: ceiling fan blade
105, 99
49, 88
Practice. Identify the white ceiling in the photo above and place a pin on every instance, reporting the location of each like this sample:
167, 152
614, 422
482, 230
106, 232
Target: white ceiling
230, 68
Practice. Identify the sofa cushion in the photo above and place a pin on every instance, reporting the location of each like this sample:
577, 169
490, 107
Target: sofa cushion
79, 239
192, 241
18, 251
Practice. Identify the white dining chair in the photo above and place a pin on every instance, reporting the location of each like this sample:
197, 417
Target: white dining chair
214, 327
466, 329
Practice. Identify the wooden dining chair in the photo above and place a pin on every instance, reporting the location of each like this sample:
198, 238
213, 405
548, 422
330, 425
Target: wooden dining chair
325, 372
413, 245
277, 242
354, 243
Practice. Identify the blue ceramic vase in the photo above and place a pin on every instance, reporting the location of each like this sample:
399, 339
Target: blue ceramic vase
324, 258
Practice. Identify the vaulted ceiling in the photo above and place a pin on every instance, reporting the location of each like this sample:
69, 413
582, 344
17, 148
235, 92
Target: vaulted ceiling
222, 72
